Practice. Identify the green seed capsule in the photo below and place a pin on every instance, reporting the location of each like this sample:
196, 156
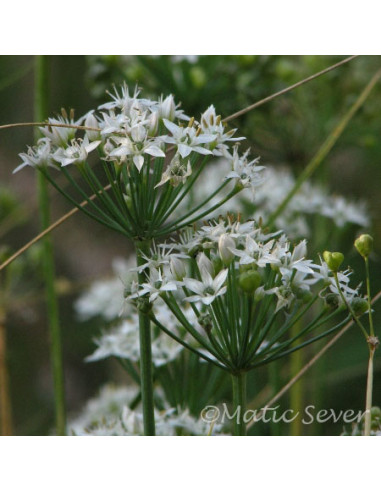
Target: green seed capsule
333, 260
364, 245
359, 306
249, 281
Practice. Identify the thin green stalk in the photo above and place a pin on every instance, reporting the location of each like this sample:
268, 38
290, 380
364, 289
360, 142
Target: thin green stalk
369, 391
325, 148
40, 104
146, 369
368, 296
349, 307
239, 403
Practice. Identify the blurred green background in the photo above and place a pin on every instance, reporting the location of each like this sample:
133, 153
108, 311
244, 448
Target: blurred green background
284, 132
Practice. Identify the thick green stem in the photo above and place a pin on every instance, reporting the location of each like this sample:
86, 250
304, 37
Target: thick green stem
239, 403
41, 103
369, 391
146, 376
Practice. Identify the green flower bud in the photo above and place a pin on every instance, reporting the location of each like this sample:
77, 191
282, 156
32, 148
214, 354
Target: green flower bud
359, 306
364, 245
250, 281
333, 260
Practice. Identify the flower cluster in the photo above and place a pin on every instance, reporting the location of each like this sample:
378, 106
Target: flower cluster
238, 281
272, 187
111, 414
150, 153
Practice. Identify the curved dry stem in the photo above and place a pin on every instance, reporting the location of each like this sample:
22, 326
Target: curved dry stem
288, 89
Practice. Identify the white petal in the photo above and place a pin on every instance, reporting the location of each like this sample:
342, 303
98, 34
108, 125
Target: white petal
138, 161
154, 150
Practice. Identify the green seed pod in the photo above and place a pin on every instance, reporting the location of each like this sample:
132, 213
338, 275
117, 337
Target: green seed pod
250, 281
364, 245
333, 260
359, 306
332, 300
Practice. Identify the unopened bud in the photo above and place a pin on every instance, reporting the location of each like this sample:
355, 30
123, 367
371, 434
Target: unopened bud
178, 268
204, 264
225, 245
333, 260
364, 245
92, 122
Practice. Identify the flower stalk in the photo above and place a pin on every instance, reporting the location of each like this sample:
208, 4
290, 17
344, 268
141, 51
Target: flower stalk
239, 403
146, 368
41, 92
369, 391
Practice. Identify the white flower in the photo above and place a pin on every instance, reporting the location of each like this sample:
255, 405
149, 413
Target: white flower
76, 153
92, 122
38, 156
158, 283
187, 139
258, 253
208, 289
122, 341
136, 145
247, 173
59, 135
167, 109
108, 403
226, 244
177, 172
212, 125
105, 297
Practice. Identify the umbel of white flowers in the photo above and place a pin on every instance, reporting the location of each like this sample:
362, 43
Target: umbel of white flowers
246, 288
150, 154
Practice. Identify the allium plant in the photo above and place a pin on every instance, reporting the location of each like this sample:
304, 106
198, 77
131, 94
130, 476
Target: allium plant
247, 290
150, 156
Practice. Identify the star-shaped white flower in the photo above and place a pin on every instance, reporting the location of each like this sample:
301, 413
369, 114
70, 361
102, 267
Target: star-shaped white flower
208, 289
76, 153
187, 140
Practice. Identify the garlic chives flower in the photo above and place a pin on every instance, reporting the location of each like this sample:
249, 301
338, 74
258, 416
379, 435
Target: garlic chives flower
187, 139
76, 153
37, 156
260, 268
246, 172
